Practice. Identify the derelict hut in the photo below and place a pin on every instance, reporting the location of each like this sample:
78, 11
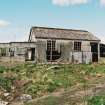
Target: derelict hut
22, 51
64, 45
4, 51
17, 51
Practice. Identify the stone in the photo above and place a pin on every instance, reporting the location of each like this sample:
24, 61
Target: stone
25, 97
3, 102
6, 94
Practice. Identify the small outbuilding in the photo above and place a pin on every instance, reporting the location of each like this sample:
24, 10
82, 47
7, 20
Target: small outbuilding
17, 51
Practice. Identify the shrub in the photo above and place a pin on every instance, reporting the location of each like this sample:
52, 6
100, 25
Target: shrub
5, 83
2, 69
32, 89
97, 100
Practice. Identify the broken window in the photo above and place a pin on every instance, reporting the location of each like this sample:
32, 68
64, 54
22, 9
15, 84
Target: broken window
48, 45
51, 45
3, 51
77, 46
21, 51
52, 52
11, 50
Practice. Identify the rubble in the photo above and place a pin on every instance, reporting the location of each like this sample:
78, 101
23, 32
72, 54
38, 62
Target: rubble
25, 97
3, 102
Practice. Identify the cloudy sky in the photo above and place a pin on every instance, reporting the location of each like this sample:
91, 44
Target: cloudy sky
18, 16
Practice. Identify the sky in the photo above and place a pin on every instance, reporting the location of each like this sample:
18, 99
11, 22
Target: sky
18, 16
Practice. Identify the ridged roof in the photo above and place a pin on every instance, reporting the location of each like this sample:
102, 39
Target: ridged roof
66, 34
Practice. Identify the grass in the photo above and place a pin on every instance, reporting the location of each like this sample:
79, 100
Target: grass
97, 100
48, 101
39, 80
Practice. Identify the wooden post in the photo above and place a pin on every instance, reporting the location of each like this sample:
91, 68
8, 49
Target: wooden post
98, 51
51, 52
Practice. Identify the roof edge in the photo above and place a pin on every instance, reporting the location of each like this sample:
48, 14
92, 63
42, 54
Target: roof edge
57, 28
66, 39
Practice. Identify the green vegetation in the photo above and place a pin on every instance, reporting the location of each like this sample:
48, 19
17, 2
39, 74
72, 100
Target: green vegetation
40, 80
47, 101
97, 100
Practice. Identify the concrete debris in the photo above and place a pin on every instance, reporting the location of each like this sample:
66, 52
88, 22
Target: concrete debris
3, 102
25, 97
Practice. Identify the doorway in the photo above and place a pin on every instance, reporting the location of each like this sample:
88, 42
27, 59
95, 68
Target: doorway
30, 54
94, 50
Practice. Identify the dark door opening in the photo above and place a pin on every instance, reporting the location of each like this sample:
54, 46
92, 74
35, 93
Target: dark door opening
94, 50
102, 50
30, 54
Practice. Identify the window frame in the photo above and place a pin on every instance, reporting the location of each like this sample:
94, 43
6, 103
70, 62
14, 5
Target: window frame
3, 52
77, 45
51, 45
